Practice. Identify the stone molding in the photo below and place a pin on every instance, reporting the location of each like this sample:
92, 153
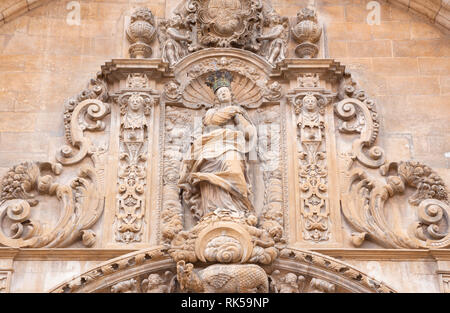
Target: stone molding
154, 259
82, 254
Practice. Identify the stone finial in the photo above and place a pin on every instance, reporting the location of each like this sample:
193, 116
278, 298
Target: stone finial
140, 33
307, 33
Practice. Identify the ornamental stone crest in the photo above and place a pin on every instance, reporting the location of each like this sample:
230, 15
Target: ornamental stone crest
222, 161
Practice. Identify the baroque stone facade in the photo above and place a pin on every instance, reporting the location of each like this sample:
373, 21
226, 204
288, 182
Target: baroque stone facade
226, 150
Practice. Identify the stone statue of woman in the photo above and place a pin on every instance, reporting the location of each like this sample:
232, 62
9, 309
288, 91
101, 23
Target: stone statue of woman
214, 172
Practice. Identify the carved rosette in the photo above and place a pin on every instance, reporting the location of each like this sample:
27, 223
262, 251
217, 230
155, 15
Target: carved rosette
140, 33
307, 33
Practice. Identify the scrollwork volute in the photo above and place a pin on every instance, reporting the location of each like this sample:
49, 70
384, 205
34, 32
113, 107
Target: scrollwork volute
83, 113
81, 206
358, 114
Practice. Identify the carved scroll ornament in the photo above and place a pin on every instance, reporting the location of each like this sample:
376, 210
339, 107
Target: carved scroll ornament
80, 207
366, 204
358, 114
83, 113
366, 212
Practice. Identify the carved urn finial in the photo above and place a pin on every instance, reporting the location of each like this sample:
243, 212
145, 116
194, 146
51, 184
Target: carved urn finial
307, 33
140, 33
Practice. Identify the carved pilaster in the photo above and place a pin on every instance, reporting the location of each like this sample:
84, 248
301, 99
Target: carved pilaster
135, 108
309, 106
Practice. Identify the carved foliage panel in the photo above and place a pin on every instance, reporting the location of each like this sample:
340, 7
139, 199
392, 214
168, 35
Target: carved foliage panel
316, 208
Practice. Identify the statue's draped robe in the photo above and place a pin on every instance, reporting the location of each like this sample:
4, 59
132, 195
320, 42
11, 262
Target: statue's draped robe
216, 163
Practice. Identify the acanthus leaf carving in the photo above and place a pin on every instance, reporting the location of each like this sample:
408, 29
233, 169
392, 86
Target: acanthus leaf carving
367, 197
81, 206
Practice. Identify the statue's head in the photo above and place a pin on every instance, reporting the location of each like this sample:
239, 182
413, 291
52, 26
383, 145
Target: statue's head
220, 83
136, 102
223, 94
310, 102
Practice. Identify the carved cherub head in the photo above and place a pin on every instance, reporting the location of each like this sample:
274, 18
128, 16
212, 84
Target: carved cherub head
252, 220
290, 278
273, 18
135, 102
310, 103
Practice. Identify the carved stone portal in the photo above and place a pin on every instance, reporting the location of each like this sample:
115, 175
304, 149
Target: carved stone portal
220, 154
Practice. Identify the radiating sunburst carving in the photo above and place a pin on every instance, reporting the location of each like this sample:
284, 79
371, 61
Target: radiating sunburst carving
245, 91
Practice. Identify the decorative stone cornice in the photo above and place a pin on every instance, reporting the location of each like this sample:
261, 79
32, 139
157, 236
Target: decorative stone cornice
118, 69
82, 254
69, 254
328, 69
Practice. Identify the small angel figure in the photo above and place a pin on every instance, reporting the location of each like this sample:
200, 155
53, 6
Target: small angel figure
171, 40
157, 284
289, 283
277, 36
